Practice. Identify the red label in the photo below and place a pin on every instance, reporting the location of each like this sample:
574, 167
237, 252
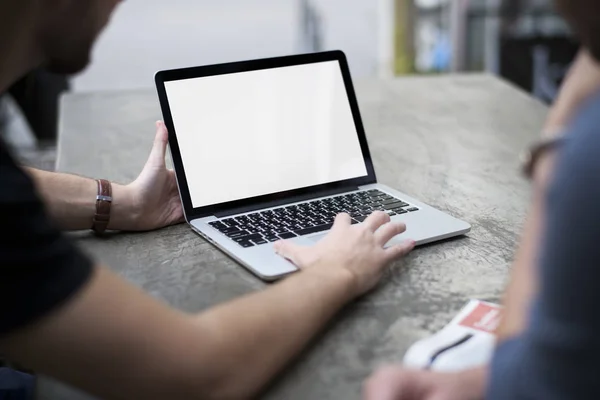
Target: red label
484, 317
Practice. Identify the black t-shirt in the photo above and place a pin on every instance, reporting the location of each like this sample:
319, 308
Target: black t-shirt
39, 267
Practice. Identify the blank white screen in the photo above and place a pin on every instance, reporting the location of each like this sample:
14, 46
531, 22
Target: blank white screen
254, 133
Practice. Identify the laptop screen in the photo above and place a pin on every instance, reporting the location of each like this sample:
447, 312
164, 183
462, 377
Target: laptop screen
255, 133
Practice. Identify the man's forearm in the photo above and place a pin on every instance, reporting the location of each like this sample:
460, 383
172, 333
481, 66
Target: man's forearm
71, 200
114, 330
254, 337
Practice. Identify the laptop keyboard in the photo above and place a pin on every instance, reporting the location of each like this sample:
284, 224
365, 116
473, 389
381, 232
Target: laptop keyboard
304, 219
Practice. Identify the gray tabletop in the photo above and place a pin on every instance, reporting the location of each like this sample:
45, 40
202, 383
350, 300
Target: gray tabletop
452, 142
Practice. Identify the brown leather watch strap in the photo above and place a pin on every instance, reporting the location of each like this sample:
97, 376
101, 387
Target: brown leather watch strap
103, 202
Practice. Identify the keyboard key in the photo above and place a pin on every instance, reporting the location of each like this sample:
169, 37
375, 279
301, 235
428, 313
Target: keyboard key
400, 211
287, 235
237, 234
391, 200
230, 230
361, 219
218, 225
259, 242
248, 238
412, 209
392, 206
314, 229
272, 238
246, 244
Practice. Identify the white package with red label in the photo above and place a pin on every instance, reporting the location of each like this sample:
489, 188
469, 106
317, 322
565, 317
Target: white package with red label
467, 341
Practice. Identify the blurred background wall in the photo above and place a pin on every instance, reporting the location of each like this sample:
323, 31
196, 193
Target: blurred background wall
523, 41
147, 35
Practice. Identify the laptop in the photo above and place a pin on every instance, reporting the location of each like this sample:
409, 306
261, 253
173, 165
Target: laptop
274, 149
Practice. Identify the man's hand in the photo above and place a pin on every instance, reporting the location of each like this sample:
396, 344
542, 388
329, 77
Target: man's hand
150, 202
397, 383
154, 195
355, 250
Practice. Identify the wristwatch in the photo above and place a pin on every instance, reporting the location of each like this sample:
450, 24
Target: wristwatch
530, 157
103, 203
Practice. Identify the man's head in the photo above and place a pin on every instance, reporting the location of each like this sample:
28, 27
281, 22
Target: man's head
584, 17
65, 30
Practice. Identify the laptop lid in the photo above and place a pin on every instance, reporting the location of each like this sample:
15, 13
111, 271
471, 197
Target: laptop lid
268, 131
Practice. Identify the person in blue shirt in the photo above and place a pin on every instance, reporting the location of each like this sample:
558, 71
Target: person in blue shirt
549, 340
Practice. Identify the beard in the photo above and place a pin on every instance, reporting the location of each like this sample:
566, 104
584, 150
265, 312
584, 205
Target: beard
69, 36
72, 65
68, 58
67, 48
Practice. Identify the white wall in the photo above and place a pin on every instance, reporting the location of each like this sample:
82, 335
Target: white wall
147, 35
352, 25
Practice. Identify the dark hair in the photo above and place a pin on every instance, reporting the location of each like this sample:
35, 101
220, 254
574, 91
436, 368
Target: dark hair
584, 17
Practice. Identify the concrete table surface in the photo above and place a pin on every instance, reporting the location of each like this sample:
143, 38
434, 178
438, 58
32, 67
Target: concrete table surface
452, 142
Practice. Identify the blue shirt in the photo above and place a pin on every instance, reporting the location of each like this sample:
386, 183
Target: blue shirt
558, 355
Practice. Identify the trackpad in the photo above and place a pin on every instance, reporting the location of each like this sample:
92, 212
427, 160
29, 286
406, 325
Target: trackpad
399, 239
316, 238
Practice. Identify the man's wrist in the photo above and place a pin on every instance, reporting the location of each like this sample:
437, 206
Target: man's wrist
341, 278
124, 216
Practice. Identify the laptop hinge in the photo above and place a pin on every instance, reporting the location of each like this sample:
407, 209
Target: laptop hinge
282, 202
